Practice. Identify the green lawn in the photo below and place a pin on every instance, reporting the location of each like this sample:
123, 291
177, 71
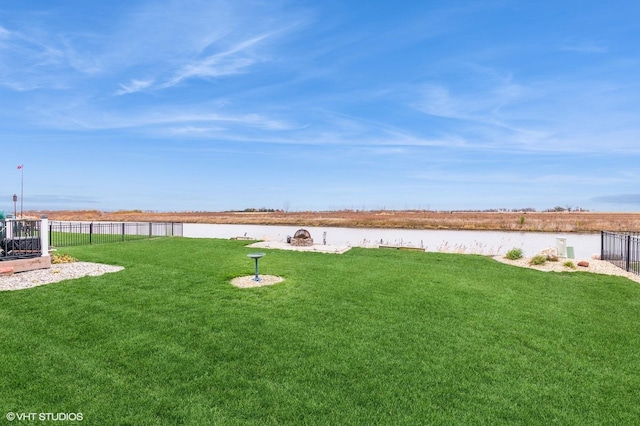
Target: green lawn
366, 337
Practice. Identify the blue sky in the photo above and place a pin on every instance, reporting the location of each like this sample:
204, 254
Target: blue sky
320, 105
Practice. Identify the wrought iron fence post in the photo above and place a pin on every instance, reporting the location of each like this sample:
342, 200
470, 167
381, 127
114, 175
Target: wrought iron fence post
602, 245
91, 233
628, 256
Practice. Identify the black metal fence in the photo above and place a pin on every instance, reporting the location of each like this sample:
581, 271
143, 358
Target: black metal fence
20, 239
64, 234
621, 249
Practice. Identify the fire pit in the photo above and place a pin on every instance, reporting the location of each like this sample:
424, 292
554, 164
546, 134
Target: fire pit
302, 238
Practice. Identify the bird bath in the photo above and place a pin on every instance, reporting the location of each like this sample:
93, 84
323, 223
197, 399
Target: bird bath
256, 256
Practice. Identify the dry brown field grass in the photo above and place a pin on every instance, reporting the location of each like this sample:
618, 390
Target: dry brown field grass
495, 221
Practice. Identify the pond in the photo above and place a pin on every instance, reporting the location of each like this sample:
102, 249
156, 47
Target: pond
449, 241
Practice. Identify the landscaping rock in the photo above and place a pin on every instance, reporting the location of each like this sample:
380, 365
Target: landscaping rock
550, 254
583, 263
6, 271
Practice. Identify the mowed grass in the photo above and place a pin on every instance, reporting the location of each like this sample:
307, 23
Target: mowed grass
366, 337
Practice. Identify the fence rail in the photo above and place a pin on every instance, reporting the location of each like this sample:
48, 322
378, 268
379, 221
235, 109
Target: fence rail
64, 234
621, 249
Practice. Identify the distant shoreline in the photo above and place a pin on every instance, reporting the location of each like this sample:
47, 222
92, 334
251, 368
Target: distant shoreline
573, 222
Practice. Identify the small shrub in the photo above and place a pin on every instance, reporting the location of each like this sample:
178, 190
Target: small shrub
62, 258
538, 260
569, 264
514, 254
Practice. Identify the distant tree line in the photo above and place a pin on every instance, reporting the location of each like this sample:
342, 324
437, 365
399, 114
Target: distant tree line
260, 210
528, 209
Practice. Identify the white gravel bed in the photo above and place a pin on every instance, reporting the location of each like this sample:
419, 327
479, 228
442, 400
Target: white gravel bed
596, 266
58, 272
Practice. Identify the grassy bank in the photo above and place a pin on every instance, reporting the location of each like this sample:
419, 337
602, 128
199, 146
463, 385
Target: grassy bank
388, 219
367, 337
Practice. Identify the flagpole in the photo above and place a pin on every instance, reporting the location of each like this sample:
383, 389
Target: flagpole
21, 191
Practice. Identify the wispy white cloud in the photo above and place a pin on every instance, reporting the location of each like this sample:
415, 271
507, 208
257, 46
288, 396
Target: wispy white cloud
4, 33
23, 60
195, 131
133, 86
231, 61
560, 114
187, 28
36, 58
86, 62
199, 40
485, 116
77, 116
584, 47
483, 104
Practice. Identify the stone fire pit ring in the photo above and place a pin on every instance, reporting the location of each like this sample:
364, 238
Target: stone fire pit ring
302, 238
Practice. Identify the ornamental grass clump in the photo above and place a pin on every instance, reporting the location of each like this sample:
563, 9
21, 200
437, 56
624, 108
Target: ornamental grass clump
514, 254
538, 260
62, 258
569, 264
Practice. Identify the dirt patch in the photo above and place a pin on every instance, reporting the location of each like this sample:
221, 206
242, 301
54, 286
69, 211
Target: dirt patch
249, 281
